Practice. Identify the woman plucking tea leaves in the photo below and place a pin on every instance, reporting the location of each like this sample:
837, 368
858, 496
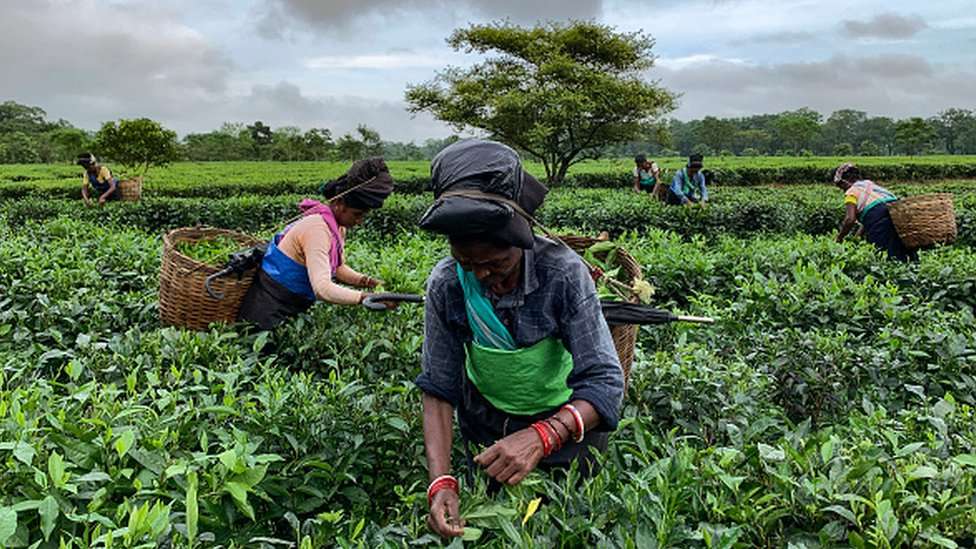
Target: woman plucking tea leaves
514, 337
97, 178
867, 202
304, 262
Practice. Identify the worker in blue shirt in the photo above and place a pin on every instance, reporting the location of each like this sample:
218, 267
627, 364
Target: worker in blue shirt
688, 185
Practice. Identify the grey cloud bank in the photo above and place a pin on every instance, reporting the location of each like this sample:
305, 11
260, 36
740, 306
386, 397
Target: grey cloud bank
89, 61
887, 25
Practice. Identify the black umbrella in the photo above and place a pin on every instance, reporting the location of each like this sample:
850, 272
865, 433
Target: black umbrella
615, 312
618, 312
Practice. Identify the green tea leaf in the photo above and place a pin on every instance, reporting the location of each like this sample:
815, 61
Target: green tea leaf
8, 524
124, 443
966, 459
239, 493
55, 469
471, 533
49, 515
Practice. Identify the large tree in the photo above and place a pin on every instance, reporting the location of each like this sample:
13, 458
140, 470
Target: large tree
559, 92
914, 135
952, 125
797, 129
136, 144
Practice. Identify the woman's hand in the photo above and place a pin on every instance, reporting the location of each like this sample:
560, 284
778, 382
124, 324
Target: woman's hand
512, 458
367, 281
445, 515
101, 200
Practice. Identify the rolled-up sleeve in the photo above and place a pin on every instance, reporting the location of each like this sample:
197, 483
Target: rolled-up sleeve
596, 376
442, 357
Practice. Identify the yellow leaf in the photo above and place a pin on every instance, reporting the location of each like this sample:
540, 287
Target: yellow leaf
533, 507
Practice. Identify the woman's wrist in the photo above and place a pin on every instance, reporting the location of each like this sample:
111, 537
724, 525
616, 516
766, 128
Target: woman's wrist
443, 482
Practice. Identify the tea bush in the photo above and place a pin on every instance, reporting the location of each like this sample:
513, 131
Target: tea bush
832, 404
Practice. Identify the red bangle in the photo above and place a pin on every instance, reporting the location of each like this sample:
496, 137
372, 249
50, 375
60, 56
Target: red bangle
544, 437
555, 435
578, 419
443, 482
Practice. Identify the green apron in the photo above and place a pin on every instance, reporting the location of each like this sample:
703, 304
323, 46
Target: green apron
689, 185
647, 180
517, 381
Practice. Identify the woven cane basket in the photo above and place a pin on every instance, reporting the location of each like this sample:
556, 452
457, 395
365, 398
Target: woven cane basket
131, 189
625, 335
183, 299
924, 220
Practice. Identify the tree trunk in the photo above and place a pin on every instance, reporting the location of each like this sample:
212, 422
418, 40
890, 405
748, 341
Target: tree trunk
563, 168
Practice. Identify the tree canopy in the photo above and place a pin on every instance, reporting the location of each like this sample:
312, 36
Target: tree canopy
559, 92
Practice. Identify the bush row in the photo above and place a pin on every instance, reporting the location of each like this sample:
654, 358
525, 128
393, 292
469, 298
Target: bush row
828, 407
745, 212
216, 184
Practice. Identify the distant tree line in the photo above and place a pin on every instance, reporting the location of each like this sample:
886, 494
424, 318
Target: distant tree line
805, 132
27, 136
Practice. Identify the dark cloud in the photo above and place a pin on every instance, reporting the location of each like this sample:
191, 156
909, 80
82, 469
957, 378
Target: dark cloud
785, 38
89, 62
893, 85
887, 26
275, 18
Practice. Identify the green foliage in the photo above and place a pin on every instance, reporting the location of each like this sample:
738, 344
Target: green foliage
558, 92
914, 135
223, 179
136, 144
214, 251
831, 405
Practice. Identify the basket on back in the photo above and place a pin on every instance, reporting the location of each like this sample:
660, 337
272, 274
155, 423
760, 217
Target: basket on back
924, 220
131, 189
183, 299
624, 335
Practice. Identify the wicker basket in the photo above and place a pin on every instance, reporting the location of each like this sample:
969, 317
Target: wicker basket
624, 336
131, 189
183, 300
924, 220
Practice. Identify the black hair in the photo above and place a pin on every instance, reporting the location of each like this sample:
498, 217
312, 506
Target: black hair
851, 174
640, 159
85, 159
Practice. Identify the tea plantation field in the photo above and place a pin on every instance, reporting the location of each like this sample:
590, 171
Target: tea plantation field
832, 405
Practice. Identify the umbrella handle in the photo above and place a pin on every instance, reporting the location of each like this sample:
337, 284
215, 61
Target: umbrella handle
697, 319
373, 302
206, 283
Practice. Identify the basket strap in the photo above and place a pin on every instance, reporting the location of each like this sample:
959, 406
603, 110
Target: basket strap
334, 198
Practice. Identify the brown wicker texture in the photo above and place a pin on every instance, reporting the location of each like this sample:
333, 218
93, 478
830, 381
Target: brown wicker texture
131, 189
624, 336
183, 300
924, 220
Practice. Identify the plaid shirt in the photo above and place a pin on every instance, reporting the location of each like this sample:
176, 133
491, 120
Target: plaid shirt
556, 298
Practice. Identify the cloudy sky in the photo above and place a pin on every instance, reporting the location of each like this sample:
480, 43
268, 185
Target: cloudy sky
194, 64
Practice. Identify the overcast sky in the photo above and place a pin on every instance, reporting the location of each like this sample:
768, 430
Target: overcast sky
194, 64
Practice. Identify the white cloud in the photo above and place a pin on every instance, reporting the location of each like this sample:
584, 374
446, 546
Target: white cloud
697, 60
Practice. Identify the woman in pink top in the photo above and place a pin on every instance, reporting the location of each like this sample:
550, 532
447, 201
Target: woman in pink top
867, 202
305, 262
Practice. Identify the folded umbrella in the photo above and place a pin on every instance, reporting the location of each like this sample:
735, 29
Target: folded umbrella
618, 312
615, 312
